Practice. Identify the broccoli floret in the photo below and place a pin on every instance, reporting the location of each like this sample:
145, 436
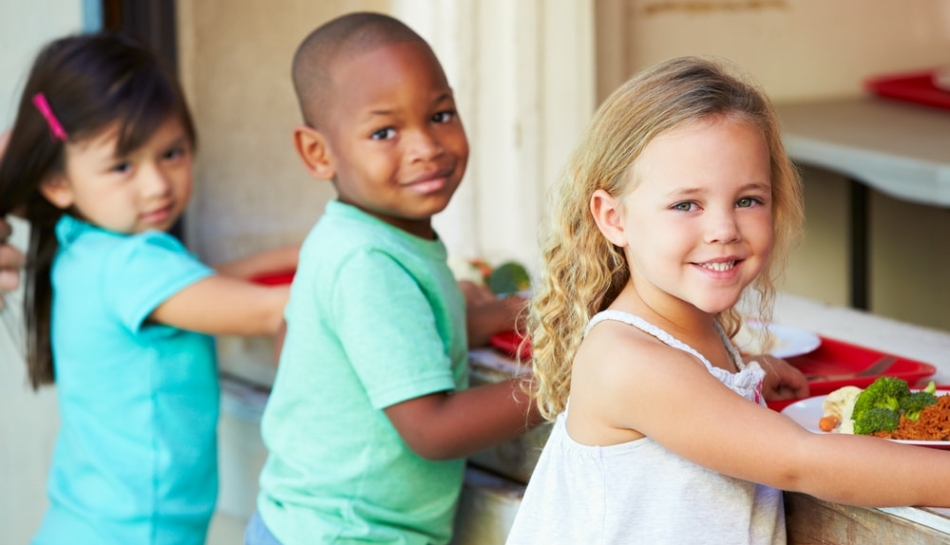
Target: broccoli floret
913, 403
876, 419
884, 393
931, 388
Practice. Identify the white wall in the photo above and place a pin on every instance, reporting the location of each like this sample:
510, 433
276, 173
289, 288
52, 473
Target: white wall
28, 420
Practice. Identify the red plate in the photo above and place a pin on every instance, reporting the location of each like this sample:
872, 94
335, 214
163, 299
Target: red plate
509, 343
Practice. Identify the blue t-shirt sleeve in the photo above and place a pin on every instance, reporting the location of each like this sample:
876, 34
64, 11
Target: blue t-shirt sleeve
388, 330
144, 271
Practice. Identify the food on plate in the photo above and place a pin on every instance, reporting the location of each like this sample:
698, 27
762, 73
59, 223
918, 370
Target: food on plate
473, 270
753, 341
509, 277
888, 408
933, 424
837, 408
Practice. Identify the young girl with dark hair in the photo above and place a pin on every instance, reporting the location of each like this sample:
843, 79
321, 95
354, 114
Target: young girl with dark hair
118, 312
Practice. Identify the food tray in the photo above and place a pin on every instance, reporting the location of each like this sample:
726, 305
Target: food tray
836, 357
917, 87
274, 279
509, 344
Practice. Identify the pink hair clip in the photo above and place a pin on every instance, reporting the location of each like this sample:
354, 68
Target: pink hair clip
55, 129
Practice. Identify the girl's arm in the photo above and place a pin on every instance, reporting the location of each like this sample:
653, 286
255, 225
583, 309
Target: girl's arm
221, 305
447, 426
275, 260
663, 393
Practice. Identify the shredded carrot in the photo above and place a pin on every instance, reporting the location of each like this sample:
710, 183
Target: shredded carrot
933, 424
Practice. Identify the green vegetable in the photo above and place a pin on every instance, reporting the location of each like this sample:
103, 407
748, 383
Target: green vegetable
509, 277
885, 393
914, 402
876, 419
880, 405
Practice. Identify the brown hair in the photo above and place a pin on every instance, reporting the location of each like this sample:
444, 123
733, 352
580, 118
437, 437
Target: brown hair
90, 82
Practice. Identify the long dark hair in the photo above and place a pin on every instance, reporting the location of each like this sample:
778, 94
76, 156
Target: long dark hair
89, 82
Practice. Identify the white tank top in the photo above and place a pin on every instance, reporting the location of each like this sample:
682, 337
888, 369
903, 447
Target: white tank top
639, 492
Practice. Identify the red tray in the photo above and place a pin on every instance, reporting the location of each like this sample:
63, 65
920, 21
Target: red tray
836, 357
509, 343
274, 279
915, 87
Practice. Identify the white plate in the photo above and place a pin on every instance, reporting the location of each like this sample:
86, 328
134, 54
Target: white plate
808, 412
787, 341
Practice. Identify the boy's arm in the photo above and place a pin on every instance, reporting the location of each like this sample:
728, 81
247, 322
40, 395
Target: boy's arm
486, 319
446, 426
279, 259
486, 314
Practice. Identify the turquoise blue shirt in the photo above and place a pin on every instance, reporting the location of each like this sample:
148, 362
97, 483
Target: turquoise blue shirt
135, 461
375, 318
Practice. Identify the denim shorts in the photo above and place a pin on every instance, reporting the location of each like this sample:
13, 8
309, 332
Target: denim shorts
257, 533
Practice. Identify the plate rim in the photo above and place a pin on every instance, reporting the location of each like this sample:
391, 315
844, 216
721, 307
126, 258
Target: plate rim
814, 339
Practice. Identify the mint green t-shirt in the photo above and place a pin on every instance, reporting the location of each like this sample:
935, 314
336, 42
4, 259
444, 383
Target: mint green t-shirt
375, 318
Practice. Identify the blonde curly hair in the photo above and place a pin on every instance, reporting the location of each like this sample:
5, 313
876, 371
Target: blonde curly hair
581, 271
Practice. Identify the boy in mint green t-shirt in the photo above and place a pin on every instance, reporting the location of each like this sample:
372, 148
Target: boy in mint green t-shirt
370, 417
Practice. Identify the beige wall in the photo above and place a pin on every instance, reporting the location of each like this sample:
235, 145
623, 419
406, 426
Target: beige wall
252, 193
523, 78
797, 49
805, 50
235, 56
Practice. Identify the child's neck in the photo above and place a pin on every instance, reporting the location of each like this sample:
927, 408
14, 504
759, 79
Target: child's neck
681, 320
686, 323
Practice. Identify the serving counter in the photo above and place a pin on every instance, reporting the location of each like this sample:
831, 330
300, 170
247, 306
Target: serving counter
809, 520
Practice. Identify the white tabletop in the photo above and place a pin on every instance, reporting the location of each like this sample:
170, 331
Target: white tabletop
898, 148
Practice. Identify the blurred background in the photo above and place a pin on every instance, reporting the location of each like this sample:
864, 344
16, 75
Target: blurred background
528, 74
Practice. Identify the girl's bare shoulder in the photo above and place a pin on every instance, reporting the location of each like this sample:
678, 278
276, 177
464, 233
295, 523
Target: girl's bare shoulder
618, 351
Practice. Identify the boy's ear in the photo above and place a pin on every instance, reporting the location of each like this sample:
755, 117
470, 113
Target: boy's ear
56, 190
311, 146
608, 216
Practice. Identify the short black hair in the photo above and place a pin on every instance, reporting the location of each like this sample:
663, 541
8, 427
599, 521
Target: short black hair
338, 39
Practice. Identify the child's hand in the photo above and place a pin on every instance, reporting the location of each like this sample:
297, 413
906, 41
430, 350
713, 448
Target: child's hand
11, 260
281, 259
782, 380
493, 315
475, 294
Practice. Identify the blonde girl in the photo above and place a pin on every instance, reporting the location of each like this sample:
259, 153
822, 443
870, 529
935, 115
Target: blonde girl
118, 311
678, 198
